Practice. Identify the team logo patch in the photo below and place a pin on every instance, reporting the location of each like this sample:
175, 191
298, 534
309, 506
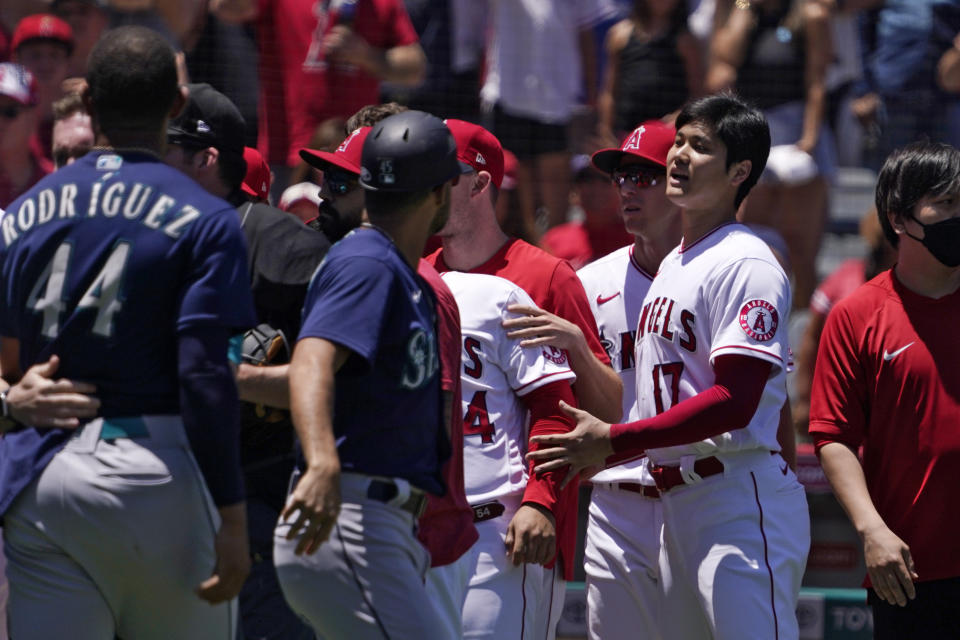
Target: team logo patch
759, 320
109, 162
554, 355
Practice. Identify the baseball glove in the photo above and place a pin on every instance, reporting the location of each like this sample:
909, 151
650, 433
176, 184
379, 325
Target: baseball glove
265, 345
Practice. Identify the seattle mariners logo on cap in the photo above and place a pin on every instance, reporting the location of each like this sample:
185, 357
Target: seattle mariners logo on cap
759, 320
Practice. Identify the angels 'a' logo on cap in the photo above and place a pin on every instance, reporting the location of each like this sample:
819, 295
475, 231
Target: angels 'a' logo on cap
633, 142
480, 159
346, 141
759, 320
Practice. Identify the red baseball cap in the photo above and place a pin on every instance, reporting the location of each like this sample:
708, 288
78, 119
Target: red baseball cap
478, 148
257, 181
42, 26
650, 141
18, 83
347, 156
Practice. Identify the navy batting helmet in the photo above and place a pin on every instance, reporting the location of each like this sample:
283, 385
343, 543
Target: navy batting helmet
409, 151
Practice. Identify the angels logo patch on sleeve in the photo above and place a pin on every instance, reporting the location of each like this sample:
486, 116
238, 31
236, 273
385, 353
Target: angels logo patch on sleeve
759, 320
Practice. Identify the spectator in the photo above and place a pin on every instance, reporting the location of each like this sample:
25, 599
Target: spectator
88, 19
72, 130
321, 61
886, 380
601, 230
42, 43
540, 56
654, 64
842, 282
775, 54
22, 162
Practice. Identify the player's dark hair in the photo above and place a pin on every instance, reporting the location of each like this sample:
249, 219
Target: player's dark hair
231, 168
387, 203
741, 128
372, 114
912, 173
132, 78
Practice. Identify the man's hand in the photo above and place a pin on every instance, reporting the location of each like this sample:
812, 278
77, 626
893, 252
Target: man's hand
531, 535
539, 327
233, 557
40, 401
586, 447
316, 499
890, 565
342, 44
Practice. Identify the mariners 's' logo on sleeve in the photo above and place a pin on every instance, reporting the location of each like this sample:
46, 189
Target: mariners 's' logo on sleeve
759, 320
421, 360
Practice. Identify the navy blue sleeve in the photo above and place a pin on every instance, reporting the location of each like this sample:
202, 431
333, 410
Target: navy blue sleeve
217, 290
210, 408
347, 302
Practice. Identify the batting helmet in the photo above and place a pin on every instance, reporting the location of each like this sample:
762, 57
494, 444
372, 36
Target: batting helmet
409, 151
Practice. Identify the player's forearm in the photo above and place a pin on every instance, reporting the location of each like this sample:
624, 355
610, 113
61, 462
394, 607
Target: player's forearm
842, 468
311, 375
210, 408
546, 418
264, 385
598, 388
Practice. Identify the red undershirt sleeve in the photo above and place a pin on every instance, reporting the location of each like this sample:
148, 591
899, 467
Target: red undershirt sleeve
545, 418
728, 405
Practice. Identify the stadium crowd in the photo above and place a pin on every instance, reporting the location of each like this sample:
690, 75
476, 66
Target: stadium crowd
521, 164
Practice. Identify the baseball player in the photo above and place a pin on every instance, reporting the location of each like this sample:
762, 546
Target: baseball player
137, 279
473, 242
368, 345
886, 380
710, 358
508, 393
625, 518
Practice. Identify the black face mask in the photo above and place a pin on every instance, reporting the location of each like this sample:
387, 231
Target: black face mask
942, 240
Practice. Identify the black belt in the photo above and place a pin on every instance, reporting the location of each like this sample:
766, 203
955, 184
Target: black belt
487, 511
386, 490
669, 477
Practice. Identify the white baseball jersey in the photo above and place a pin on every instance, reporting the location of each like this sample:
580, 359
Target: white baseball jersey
616, 287
497, 372
723, 294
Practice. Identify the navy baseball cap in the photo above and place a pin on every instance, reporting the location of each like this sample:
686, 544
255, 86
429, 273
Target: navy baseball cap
209, 119
409, 151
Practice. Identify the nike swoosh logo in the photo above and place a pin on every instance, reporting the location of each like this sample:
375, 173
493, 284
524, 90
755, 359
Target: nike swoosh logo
784, 470
887, 356
601, 299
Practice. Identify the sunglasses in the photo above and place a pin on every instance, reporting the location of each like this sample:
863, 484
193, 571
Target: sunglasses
641, 179
339, 182
10, 111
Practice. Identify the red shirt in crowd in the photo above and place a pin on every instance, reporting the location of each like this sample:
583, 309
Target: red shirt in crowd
298, 88
554, 287
446, 527
41, 167
838, 285
888, 378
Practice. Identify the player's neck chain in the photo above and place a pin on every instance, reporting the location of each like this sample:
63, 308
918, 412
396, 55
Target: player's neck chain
144, 150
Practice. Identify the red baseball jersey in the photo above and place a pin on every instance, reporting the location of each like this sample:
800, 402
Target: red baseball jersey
446, 527
554, 286
299, 89
886, 378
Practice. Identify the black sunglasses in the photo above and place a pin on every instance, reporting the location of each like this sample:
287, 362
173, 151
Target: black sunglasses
339, 182
641, 178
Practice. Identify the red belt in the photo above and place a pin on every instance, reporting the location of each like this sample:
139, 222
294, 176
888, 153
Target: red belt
669, 477
647, 491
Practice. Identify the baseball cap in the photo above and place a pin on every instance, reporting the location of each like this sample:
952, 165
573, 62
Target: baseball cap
257, 181
209, 119
42, 26
17, 83
302, 191
347, 156
407, 152
650, 141
478, 148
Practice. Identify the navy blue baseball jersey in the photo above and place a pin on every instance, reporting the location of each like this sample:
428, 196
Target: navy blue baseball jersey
102, 263
388, 411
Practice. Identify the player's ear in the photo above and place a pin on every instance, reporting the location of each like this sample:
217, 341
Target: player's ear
740, 171
206, 158
480, 183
